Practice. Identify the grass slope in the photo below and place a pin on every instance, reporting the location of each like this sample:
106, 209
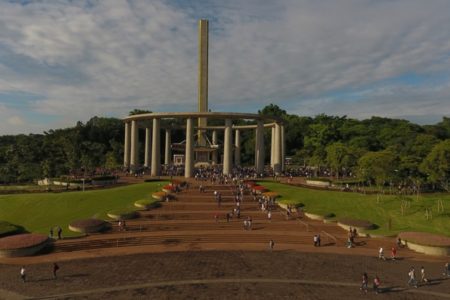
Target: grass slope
366, 207
39, 212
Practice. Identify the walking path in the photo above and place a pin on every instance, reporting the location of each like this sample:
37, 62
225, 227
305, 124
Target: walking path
234, 280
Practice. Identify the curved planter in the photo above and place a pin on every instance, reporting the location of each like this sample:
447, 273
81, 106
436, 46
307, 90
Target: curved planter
315, 217
284, 206
361, 229
427, 243
430, 250
123, 215
318, 183
14, 246
88, 226
146, 205
159, 195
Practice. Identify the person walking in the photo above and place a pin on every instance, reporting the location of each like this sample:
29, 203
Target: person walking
55, 269
269, 216
412, 277
23, 274
271, 245
423, 277
365, 281
381, 254
59, 231
376, 284
393, 253
446, 270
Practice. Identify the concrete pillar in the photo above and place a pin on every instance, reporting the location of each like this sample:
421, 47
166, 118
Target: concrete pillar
134, 160
167, 149
227, 148
203, 26
259, 148
156, 151
189, 153
272, 146
277, 150
127, 146
237, 147
216, 152
147, 151
283, 149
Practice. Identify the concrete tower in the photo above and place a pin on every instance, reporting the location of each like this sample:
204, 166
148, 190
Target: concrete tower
202, 76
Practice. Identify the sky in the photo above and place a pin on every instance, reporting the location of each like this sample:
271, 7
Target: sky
64, 61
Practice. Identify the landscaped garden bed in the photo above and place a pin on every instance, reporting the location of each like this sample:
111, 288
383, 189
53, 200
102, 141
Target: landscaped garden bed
22, 244
361, 225
160, 196
146, 203
427, 243
168, 188
89, 225
123, 214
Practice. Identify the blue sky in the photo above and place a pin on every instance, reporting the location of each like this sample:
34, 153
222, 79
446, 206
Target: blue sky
63, 61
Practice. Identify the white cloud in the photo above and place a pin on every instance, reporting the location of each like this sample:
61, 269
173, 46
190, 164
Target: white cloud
109, 57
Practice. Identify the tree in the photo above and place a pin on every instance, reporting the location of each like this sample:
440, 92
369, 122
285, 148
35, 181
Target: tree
339, 157
437, 164
378, 167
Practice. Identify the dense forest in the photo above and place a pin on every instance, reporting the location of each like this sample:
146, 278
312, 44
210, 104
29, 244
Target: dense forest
376, 150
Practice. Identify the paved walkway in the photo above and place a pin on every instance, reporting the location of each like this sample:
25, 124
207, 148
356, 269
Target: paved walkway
236, 280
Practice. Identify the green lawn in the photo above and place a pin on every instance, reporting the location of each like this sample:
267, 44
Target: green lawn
366, 207
39, 211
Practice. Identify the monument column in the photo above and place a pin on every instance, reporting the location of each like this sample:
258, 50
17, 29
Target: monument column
134, 146
126, 146
156, 151
202, 77
215, 152
259, 148
237, 147
189, 157
277, 150
167, 152
227, 148
283, 149
272, 146
147, 151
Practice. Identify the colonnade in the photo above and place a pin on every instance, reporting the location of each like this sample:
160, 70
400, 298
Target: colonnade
152, 155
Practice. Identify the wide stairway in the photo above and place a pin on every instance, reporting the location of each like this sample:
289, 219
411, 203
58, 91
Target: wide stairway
189, 223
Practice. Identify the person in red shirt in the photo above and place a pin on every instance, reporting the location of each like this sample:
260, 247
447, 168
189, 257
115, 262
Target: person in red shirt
393, 253
376, 284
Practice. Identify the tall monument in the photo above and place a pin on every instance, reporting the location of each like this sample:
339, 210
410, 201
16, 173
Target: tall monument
202, 77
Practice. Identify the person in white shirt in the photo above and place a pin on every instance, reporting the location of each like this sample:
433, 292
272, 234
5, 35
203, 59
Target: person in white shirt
23, 274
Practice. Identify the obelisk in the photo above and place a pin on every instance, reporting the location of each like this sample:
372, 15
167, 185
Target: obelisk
202, 77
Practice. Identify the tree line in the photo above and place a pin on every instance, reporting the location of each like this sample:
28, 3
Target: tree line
376, 150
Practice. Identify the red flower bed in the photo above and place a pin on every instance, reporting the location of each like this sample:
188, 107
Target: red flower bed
259, 188
24, 240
